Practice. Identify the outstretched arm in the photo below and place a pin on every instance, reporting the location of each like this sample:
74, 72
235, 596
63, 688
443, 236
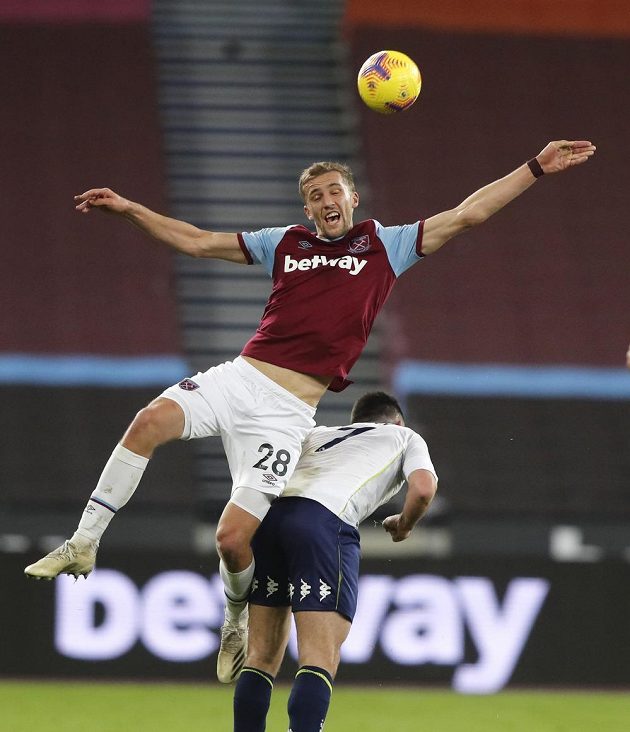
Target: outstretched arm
421, 487
179, 235
554, 158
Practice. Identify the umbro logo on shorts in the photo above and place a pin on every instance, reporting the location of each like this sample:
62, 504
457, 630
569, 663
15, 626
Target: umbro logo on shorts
188, 385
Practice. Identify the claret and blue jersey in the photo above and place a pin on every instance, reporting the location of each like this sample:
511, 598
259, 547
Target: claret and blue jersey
326, 294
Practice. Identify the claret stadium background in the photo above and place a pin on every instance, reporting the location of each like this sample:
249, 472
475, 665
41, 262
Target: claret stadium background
507, 348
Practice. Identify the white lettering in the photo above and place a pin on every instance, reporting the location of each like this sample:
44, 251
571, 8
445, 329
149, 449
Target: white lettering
289, 263
375, 592
352, 264
418, 619
499, 633
78, 634
178, 608
428, 627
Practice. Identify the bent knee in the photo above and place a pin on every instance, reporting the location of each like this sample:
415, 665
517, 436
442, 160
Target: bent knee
157, 423
233, 544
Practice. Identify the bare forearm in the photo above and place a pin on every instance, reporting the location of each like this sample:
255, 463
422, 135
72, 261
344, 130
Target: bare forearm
179, 235
414, 508
478, 207
493, 197
420, 491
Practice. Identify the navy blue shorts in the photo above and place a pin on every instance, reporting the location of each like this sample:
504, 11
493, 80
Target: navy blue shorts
306, 558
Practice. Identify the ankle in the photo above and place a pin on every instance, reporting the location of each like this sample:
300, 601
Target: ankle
234, 610
81, 541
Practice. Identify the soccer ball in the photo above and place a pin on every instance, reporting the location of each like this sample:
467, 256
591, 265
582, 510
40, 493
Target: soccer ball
389, 81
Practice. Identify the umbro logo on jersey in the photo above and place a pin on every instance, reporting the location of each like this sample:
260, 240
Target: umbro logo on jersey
359, 244
352, 264
305, 244
188, 385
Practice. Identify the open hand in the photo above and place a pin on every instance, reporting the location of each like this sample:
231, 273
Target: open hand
563, 154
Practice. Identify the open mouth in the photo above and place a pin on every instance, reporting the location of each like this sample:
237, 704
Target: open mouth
332, 217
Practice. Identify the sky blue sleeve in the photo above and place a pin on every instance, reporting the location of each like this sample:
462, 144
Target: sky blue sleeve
262, 245
402, 244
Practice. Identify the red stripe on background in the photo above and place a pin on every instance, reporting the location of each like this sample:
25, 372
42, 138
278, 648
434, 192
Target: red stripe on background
36, 11
556, 17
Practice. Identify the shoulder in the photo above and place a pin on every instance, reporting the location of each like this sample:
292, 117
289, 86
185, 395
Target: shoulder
405, 435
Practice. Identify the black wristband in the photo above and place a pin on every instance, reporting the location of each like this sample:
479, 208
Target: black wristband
535, 167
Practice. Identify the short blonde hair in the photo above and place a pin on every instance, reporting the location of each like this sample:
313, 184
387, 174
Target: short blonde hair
317, 169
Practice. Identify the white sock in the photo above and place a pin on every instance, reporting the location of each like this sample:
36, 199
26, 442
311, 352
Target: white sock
236, 586
117, 484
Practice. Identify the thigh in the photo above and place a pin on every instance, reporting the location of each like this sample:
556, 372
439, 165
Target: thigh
323, 555
202, 401
268, 636
270, 587
320, 636
264, 443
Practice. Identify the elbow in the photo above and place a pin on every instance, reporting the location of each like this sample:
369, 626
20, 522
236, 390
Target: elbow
429, 495
430, 489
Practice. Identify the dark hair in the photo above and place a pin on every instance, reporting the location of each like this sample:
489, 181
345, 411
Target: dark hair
376, 406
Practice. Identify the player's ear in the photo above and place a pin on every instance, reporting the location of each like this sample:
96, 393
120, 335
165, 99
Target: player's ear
307, 213
355, 199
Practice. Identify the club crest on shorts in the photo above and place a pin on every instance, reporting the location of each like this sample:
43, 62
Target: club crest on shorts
359, 244
188, 385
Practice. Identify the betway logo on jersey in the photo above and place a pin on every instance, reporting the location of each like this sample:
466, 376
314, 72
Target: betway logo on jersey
352, 264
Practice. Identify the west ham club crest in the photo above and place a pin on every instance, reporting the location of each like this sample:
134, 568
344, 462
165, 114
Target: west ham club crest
359, 244
188, 385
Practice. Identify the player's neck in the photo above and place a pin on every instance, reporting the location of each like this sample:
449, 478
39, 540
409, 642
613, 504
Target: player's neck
307, 387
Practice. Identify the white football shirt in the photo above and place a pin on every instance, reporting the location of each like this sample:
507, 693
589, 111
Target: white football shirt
354, 469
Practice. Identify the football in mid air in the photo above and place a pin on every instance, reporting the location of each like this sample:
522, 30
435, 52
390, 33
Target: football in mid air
389, 81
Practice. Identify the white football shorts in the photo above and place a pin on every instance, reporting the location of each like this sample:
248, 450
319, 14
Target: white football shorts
262, 425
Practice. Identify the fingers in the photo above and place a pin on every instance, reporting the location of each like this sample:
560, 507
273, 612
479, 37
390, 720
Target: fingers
583, 145
578, 160
570, 153
94, 197
581, 155
94, 193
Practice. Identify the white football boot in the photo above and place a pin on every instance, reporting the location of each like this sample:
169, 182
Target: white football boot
233, 650
65, 559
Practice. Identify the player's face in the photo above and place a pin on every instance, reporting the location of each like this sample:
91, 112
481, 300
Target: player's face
330, 204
